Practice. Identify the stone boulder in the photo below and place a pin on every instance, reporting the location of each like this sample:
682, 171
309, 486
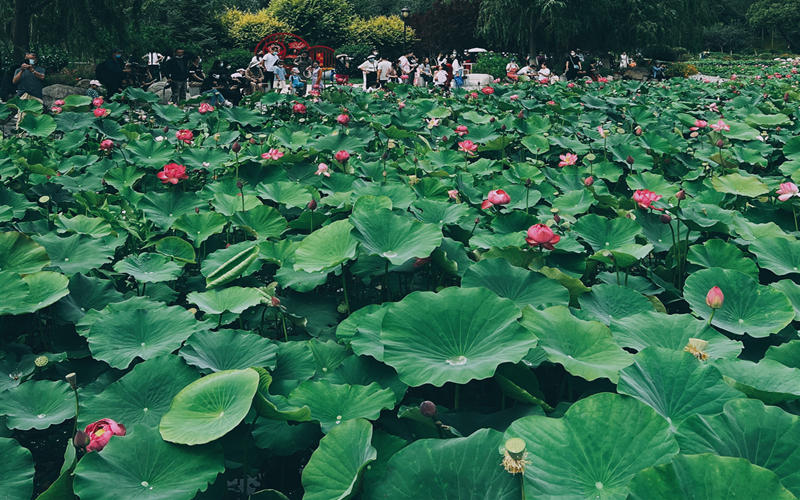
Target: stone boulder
638, 73
477, 80
58, 91
161, 89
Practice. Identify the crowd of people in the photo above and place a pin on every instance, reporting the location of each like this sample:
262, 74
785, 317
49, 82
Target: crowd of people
442, 73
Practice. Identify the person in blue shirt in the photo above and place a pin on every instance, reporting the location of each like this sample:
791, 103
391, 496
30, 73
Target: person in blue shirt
280, 75
29, 76
298, 85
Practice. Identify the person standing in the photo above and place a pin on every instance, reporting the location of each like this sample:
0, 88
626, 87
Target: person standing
342, 69
458, 72
153, 60
196, 75
405, 64
425, 72
624, 61
111, 72
270, 58
176, 69
29, 76
316, 77
572, 65
369, 69
384, 68
280, 76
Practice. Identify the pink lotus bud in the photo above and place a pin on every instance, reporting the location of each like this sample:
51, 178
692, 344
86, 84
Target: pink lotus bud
665, 218
715, 298
312, 205
629, 160
681, 195
343, 119
236, 147
428, 409
588, 181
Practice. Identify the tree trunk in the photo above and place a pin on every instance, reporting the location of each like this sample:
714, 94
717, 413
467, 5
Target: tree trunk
21, 29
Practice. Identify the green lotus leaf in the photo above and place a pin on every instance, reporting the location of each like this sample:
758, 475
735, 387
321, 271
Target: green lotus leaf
16, 482
585, 348
142, 396
228, 350
149, 267
332, 404
334, 468
204, 158
765, 435
295, 364
44, 288
675, 384
707, 477
439, 212
78, 253
607, 234
718, 253
456, 335
276, 407
209, 408
291, 194
326, 247
141, 465
524, 287
786, 354
37, 404
176, 248
594, 450
736, 183
767, 380
199, 227
363, 330
38, 125
165, 207
671, 331
85, 294
233, 298
395, 237
792, 291
81, 224
136, 328
20, 254
748, 307
610, 302
15, 293
168, 113
227, 264
262, 222
767, 121
779, 255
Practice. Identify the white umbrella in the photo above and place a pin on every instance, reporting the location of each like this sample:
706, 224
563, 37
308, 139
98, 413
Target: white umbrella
476, 50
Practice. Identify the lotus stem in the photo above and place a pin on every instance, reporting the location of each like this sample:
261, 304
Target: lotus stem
344, 291
794, 214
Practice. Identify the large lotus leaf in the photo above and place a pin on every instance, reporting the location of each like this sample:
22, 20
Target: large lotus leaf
78, 253
136, 328
81, 224
85, 294
38, 125
585, 348
332, 404
273, 406
165, 207
143, 395
20, 254
707, 477
719, 253
792, 291
37, 404
748, 308
228, 350
209, 408
16, 481
395, 237
149, 267
767, 380
607, 234
334, 468
448, 469
199, 227
609, 302
15, 293
779, 255
149, 153
143, 466
675, 384
594, 450
736, 183
44, 288
262, 222
326, 247
671, 331
227, 264
786, 354
291, 194
524, 287
233, 298
456, 335
765, 435
363, 330
176, 248
439, 212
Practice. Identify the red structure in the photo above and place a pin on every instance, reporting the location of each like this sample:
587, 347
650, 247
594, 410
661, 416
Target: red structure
325, 56
291, 46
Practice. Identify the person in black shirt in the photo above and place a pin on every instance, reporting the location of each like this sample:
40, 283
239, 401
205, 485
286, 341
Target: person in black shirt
572, 65
216, 83
28, 77
176, 69
196, 75
111, 72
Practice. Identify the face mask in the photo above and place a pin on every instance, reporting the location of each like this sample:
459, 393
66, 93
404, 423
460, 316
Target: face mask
31, 61
117, 55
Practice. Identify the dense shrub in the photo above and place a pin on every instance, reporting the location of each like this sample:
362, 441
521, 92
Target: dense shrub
246, 29
382, 32
238, 57
320, 22
358, 52
681, 69
660, 52
491, 63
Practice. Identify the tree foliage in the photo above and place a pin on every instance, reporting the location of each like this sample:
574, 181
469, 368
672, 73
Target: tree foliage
382, 32
781, 15
245, 29
320, 22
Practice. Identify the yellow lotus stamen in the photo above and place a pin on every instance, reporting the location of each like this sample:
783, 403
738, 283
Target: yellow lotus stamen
697, 348
515, 458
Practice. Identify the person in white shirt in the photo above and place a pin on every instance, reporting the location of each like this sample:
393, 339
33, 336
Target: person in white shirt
269, 60
624, 61
458, 73
405, 65
369, 68
384, 69
256, 60
511, 70
153, 60
544, 73
440, 78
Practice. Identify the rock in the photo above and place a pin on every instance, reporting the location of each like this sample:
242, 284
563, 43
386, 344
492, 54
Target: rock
58, 91
84, 83
477, 80
161, 89
637, 73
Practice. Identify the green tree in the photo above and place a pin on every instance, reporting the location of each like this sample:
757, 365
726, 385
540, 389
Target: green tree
781, 15
515, 24
320, 22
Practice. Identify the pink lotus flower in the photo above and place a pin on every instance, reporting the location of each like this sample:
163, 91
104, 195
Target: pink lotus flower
342, 156
453, 194
787, 190
322, 169
541, 235
100, 112
172, 173
588, 181
715, 298
462, 130
713, 107
720, 126
698, 124
513, 97
58, 102
603, 132
495, 197
570, 85
299, 108
343, 119
645, 198
185, 135
567, 159
468, 147
496, 80
97, 102
473, 95
205, 108
56, 110
106, 144
100, 433
401, 104
272, 154
433, 122
487, 90
602, 79
551, 103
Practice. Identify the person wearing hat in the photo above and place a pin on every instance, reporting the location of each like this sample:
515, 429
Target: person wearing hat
370, 70
341, 70
111, 72
298, 85
94, 89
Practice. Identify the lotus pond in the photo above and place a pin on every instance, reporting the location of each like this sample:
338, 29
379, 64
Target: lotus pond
584, 291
